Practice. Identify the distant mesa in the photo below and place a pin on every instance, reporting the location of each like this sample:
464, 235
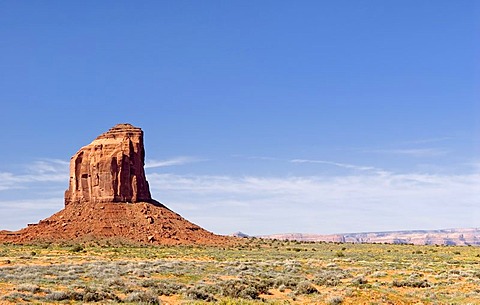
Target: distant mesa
448, 237
240, 234
109, 198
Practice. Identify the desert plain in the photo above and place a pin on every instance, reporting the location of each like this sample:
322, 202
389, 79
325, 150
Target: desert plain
251, 271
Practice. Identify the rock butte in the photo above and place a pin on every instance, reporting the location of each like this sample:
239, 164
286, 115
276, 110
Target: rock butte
110, 169
109, 198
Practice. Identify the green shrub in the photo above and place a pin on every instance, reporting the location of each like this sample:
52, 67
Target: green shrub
77, 248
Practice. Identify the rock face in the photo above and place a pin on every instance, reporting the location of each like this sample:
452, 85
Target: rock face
110, 169
109, 198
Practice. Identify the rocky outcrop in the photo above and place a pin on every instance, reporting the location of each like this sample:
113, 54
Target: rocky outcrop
116, 222
109, 198
110, 169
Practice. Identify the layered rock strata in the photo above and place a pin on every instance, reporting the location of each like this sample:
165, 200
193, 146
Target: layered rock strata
110, 169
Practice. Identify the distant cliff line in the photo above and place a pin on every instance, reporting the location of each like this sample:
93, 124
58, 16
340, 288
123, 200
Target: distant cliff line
450, 237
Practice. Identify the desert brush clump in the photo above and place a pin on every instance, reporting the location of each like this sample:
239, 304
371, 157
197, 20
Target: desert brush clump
305, 287
201, 292
58, 296
14, 297
29, 288
331, 276
334, 300
168, 288
142, 297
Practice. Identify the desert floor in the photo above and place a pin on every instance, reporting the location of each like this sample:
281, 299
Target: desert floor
253, 272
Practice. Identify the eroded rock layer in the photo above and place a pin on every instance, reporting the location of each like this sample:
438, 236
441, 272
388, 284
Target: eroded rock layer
110, 169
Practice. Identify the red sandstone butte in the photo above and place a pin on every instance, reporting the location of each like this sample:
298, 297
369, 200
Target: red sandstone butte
109, 198
110, 169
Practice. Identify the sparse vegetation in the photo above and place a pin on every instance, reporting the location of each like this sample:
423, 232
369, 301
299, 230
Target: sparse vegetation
255, 272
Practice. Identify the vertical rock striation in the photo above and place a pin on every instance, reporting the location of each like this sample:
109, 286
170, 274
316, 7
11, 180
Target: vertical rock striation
110, 169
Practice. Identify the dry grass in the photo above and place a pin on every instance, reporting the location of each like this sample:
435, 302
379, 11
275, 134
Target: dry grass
256, 272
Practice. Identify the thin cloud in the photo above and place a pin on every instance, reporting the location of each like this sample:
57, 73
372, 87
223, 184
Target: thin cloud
342, 165
16, 214
49, 166
365, 199
47, 170
413, 152
171, 162
8, 181
32, 204
322, 204
429, 140
263, 158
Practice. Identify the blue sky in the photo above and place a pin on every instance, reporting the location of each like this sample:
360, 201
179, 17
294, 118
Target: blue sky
259, 116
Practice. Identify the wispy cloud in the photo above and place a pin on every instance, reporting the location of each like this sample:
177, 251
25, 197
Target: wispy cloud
428, 140
9, 181
171, 162
363, 199
49, 166
342, 165
413, 152
263, 158
32, 204
16, 214
42, 184
46, 170
322, 204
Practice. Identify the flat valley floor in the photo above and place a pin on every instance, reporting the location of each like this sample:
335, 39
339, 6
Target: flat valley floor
253, 272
